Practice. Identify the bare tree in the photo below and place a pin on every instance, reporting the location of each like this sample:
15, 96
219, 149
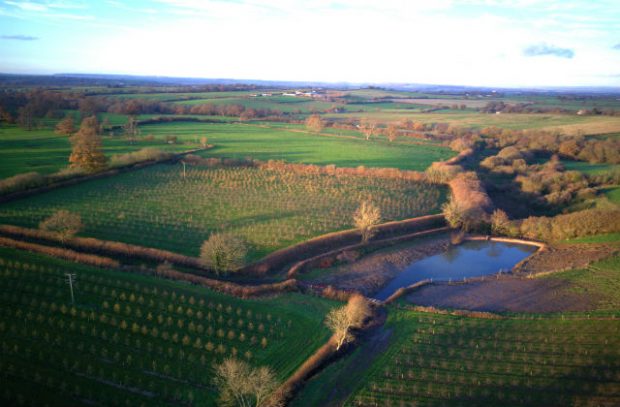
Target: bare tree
341, 320
391, 132
64, 223
66, 126
223, 252
454, 213
242, 385
368, 127
499, 222
365, 217
86, 147
315, 123
131, 129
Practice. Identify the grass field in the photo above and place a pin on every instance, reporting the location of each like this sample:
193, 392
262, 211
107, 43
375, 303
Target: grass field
156, 207
588, 168
45, 152
441, 360
569, 124
278, 143
136, 340
600, 280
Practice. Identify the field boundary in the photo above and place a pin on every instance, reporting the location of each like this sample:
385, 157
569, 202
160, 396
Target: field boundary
272, 262
65, 254
325, 243
303, 265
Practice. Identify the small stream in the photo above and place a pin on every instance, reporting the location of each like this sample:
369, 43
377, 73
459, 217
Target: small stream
472, 258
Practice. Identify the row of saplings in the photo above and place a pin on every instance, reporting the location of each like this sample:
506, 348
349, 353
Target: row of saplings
240, 384
223, 251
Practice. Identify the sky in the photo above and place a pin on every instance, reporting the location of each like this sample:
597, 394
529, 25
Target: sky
517, 43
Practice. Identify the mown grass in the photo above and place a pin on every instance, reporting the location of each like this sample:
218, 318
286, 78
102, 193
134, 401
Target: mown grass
449, 360
570, 124
45, 152
588, 168
136, 340
606, 238
157, 207
277, 143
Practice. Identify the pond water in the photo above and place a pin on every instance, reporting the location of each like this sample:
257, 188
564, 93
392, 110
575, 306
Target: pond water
470, 259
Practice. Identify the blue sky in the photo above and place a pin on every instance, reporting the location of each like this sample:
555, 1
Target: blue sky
468, 42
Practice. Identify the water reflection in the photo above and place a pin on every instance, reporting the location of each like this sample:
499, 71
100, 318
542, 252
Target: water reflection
470, 259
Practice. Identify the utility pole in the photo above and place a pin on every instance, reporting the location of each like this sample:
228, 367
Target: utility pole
70, 279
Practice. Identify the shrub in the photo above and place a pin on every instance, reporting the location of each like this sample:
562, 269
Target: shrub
566, 226
21, 181
145, 154
63, 223
365, 218
499, 222
223, 252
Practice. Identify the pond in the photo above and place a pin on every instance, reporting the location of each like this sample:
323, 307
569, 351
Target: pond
470, 259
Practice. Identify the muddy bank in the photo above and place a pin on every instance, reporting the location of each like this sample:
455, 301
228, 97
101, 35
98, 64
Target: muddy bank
560, 257
508, 294
517, 292
373, 271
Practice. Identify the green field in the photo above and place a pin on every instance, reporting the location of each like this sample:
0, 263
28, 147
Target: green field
442, 360
277, 143
569, 124
271, 209
600, 280
588, 168
136, 340
45, 152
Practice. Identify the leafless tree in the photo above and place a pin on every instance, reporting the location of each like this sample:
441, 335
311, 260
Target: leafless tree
242, 385
499, 222
341, 320
391, 132
86, 147
365, 217
368, 127
315, 123
223, 252
66, 126
64, 223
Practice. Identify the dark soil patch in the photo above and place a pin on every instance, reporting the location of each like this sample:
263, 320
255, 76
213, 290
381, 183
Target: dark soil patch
565, 257
509, 294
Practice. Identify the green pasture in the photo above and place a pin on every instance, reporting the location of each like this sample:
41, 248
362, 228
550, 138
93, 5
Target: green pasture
45, 152
600, 280
588, 168
270, 143
569, 124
